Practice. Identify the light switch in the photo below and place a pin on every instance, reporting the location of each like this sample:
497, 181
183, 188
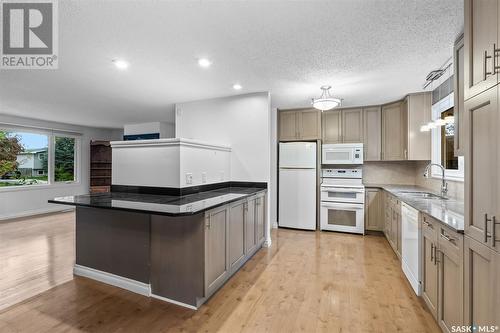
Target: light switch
189, 178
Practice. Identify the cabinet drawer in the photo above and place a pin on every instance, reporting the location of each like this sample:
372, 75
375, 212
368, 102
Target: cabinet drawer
450, 241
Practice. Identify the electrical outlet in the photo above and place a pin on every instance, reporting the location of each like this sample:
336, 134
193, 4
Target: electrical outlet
189, 178
203, 177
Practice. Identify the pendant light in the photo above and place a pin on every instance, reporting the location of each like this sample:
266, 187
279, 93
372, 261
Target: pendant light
325, 101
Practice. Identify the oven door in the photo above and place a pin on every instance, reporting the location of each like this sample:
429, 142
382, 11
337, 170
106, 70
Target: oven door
343, 194
342, 217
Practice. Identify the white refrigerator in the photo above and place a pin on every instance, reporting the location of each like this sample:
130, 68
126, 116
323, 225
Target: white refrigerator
297, 185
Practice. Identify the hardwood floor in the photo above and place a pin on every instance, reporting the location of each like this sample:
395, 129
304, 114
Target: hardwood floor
307, 282
36, 254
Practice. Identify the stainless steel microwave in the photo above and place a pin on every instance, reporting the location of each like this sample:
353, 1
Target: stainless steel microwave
342, 153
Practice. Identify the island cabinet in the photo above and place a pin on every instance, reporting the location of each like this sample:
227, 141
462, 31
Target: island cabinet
299, 124
237, 233
343, 126
442, 273
217, 254
481, 41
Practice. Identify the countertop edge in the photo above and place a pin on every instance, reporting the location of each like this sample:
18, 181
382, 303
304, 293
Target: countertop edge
140, 211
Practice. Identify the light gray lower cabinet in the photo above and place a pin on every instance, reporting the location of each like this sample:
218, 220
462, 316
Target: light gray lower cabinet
260, 216
250, 227
216, 249
374, 217
233, 233
237, 235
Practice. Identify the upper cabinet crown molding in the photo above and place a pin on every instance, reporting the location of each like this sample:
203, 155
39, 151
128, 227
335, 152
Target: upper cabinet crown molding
480, 46
299, 124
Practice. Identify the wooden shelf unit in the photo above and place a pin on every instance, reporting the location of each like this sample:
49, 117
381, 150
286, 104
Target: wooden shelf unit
100, 166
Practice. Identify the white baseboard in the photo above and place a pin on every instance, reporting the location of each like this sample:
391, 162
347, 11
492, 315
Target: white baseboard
161, 298
35, 212
112, 279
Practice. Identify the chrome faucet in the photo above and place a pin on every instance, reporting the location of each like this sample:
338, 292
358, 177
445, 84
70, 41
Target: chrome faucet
444, 186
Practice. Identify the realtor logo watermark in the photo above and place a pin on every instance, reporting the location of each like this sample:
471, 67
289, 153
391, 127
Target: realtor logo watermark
29, 35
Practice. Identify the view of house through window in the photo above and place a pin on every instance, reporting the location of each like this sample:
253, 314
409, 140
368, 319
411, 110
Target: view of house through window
64, 159
448, 158
23, 158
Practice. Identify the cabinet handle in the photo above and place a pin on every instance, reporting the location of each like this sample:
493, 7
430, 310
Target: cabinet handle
428, 224
493, 232
209, 223
432, 252
495, 55
486, 220
448, 238
406, 154
436, 253
486, 57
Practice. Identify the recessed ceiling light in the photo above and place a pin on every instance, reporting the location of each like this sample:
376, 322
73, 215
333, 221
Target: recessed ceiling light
204, 62
237, 86
120, 64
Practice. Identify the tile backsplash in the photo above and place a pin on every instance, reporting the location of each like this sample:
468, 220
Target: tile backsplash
408, 173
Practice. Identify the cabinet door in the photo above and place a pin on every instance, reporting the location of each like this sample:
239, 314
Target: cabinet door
429, 265
260, 216
236, 235
481, 33
481, 174
458, 81
450, 280
482, 295
216, 249
374, 219
331, 123
250, 225
288, 125
394, 132
352, 126
372, 133
309, 124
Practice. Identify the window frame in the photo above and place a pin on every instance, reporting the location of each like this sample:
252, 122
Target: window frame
51, 135
450, 174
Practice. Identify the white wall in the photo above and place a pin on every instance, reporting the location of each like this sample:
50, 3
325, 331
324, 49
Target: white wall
242, 122
17, 202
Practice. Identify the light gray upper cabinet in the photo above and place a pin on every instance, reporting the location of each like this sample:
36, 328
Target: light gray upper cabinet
458, 81
236, 235
372, 133
302, 124
394, 131
216, 249
332, 126
352, 125
480, 38
250, 227
481, 175
418, 112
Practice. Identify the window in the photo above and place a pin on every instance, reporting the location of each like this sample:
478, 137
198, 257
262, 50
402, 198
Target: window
64, 159
23, 158
37, 157
443, 138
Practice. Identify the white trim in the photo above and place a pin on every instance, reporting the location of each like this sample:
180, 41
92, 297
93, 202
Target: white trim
168, 142
58, 209
112, 279
161, 298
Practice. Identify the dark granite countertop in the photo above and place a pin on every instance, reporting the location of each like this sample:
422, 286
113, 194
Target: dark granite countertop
447, 211
160, 204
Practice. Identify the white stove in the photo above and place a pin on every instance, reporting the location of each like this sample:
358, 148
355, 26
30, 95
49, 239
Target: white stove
342, 200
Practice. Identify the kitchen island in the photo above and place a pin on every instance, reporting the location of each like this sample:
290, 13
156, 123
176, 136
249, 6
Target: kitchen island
177, 247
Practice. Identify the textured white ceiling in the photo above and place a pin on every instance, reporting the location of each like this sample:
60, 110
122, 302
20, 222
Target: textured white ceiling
370, 51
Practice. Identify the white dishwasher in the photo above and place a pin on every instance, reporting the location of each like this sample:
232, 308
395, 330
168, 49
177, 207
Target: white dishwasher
410, 239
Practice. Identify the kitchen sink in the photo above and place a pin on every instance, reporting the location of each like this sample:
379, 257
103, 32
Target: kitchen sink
423, 195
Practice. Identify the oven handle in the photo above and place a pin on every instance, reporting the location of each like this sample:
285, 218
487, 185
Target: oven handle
342, 206
341, 190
